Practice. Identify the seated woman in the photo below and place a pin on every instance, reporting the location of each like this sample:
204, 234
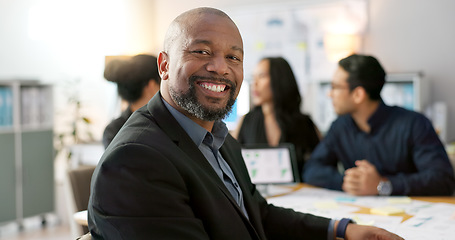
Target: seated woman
276, 117
137, 82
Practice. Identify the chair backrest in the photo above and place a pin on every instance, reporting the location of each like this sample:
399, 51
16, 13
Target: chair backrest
80, 183
86, 236
80, 179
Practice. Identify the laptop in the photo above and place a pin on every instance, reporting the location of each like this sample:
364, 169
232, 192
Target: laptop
271, 165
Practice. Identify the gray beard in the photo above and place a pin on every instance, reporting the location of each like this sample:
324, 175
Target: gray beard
188, 101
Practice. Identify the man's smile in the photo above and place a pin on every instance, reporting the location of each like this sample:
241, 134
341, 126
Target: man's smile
214, 87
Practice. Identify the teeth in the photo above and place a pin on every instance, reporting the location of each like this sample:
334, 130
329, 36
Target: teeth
214, 88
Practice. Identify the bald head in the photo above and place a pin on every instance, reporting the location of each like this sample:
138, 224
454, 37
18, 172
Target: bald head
183, 23
201, 66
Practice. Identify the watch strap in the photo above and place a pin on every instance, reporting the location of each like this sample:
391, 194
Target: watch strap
341, 228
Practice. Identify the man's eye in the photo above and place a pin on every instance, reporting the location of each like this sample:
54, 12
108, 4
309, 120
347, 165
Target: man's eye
204, 52
234, 58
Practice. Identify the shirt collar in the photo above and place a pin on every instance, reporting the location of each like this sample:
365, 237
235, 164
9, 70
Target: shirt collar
379, 116
376, 119
215, 139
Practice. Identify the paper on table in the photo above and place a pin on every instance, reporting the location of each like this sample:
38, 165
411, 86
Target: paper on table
273, 189
316, 206
399, 200
441, 225
326, 205
386, 211
387, 222
435, 219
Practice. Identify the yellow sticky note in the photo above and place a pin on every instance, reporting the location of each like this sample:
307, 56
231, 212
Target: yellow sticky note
399, 200
361, 221
326, 205
386, 211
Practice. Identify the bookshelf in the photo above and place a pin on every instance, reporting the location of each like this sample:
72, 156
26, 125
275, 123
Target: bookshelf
27, 152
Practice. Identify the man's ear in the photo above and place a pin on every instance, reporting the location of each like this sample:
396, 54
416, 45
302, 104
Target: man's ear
163, 65
359, 94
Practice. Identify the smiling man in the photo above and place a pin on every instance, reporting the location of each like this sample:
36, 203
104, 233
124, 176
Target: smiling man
174, 172
199, 90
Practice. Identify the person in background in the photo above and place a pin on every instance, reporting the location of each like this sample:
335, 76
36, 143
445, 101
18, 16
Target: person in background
276, 117
137, 82
385, 150
175, 172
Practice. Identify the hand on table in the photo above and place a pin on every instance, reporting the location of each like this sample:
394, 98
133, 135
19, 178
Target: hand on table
359, 232
361, 180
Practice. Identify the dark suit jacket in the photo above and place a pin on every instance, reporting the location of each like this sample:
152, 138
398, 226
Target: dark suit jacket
113, 127
154, 183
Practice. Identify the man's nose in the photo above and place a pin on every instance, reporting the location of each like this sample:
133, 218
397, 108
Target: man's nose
219, 65
329, 93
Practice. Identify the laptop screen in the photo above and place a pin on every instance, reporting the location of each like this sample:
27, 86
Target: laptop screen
271, 165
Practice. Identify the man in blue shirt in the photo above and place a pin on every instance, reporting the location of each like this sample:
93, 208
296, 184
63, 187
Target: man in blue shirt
385, 150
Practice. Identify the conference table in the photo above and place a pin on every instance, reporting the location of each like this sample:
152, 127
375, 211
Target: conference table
292, 196
366, 210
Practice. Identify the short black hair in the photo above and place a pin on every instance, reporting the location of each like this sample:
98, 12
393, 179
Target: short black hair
132, 75
364, 71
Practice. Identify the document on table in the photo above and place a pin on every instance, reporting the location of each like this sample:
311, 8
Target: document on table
434, 221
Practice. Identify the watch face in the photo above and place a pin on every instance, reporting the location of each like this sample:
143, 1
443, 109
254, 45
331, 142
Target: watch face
385, 188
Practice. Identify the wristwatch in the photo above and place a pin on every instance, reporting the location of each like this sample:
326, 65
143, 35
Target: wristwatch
341, 228
384, 188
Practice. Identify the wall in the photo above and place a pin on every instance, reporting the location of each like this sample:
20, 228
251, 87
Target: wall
70, 45
405, 35
65, 42
416, 35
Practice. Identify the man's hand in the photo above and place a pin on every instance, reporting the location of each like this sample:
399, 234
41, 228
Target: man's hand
361, 180
359, 232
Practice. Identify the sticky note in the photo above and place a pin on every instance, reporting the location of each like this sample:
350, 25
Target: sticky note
399, 200
345, 199
386, 211
360, 221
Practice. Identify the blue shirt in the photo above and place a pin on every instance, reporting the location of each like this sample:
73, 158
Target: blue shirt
402, 145
209, 143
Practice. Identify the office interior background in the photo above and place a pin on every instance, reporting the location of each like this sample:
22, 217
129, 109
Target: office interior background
66, 44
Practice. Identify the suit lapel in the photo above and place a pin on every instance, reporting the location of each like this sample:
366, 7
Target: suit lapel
229, 154
172, 128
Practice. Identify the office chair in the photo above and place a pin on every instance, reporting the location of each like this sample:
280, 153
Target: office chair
86, 236
80, 185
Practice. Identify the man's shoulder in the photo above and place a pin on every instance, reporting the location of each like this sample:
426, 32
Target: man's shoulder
404, 114
340, 128
115, 124
342, 121
141, 128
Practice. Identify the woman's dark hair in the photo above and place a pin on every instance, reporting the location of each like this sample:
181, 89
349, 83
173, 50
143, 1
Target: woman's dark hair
364, 71
296, 128
132, 75
286, 95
